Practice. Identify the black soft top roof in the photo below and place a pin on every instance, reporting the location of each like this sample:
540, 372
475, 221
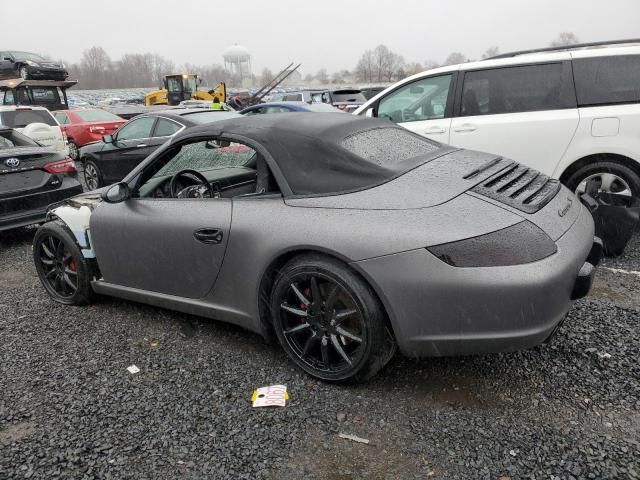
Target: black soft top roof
328, 153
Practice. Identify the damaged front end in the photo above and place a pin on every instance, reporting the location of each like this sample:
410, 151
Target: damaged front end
76, 213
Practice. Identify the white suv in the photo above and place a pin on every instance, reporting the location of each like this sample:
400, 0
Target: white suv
36, 123
571, 113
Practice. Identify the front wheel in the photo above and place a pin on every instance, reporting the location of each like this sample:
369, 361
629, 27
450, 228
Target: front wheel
65, 274
92, 175
24, 73
328, 320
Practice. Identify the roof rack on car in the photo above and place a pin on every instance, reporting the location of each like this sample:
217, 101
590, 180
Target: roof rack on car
566, 47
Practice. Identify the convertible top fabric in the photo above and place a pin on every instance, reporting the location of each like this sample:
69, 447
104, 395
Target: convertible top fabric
327, 153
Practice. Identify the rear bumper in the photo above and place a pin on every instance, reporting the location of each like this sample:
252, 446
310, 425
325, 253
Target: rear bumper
28, 209
436, 309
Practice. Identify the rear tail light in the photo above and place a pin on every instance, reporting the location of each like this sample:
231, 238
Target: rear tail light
61, 166
96, 129
65, 138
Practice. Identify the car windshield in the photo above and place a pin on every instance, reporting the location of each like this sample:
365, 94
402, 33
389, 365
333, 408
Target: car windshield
209, 155
28, 56
208, 116
348, 96
22, 118
97, 116
11, 139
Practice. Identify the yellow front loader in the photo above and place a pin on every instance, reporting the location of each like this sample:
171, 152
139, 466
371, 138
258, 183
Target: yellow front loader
183, 87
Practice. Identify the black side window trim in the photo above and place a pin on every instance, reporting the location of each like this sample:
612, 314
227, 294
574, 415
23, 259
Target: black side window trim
566, 76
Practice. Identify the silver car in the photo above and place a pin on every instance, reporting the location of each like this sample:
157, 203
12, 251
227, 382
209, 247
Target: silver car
342, 237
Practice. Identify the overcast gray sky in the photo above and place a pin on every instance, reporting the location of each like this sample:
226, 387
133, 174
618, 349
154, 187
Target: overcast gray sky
328, 33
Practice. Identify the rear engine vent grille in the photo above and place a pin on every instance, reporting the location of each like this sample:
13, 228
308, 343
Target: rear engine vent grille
520, 187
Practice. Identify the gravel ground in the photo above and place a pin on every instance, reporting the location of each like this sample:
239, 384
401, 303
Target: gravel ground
70, 409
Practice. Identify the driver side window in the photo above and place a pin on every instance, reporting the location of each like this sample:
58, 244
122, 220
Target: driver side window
424, 99
136, 129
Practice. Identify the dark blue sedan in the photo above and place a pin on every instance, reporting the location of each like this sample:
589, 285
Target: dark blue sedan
282, 107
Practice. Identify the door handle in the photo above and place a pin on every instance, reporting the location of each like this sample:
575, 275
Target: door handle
465, 127
141, 145
434, 130
208, 235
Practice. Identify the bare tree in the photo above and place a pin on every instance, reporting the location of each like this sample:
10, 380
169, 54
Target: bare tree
365, 67
412, 68
322, 76
429, 64
266, 76
564, 39
490, 52
96, 66
455, 58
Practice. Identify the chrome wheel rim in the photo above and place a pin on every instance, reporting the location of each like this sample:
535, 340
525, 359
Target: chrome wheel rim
605, 183
73, 151
59, 269
322, 324
91, 176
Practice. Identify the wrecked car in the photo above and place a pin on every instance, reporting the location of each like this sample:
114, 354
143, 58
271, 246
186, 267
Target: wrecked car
31, 177
343, 237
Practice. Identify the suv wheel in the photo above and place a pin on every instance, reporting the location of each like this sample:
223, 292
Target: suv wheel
607, 176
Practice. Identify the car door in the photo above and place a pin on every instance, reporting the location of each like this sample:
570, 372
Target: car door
171, 246
526, 112
129, 147
423, 106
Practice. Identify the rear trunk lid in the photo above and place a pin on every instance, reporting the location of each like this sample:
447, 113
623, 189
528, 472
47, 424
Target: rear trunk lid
22, 171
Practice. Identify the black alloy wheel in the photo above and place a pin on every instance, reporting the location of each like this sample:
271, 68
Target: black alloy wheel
92, 175
328, 321
63, 271
60, 269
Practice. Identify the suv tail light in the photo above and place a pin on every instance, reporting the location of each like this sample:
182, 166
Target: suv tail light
65, 138
61, 166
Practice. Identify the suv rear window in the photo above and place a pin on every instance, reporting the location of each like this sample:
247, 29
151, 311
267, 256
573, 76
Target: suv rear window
11, 139
22, 118
527, 88
348, 96
388, 146
607, 80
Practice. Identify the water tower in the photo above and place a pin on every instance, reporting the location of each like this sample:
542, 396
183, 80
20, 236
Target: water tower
237, 60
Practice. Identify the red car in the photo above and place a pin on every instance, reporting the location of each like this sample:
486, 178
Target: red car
86, 126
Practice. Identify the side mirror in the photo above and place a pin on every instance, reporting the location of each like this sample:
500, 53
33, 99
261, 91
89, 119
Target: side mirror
107, 138
116, 193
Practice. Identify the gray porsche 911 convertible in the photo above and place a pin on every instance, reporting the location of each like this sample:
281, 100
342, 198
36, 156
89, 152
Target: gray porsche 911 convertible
343, 237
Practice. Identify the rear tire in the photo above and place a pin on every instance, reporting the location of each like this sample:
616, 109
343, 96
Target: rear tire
65, 274
74, 153
92, 175
612, 176
328, 320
